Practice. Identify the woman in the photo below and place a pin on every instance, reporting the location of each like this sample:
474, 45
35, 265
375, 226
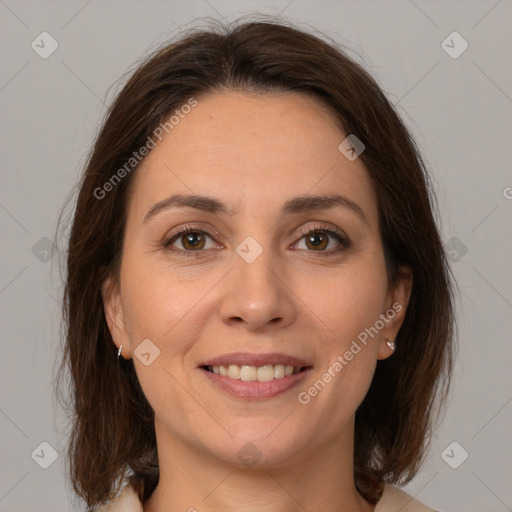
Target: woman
254, 240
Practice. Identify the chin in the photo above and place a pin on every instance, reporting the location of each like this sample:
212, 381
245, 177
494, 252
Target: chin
256, 448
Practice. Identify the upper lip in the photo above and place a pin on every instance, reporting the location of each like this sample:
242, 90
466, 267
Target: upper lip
247, 359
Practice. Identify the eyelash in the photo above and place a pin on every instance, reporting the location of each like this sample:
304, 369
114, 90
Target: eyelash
334, 233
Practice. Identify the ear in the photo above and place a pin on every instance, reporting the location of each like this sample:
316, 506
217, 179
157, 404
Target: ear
114, 315
397, 301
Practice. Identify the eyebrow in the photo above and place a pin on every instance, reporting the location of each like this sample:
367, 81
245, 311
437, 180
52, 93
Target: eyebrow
295, 205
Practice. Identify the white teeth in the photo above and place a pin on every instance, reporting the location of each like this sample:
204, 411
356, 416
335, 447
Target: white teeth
234, 371
266, 373
279, 371
251, 373
248, 373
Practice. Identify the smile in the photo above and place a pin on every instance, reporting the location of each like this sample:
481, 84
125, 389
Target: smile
246, 373
255, 376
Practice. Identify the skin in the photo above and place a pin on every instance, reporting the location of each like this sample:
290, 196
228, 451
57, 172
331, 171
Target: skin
252, 153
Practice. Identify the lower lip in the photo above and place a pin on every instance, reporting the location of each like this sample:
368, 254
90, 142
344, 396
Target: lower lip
255, 390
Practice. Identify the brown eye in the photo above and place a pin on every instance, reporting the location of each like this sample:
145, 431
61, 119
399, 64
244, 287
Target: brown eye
189, 240
192, 241
317, 240
323, 241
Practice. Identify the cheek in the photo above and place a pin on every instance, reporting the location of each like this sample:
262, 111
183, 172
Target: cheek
345, 307
347, 302
156, 300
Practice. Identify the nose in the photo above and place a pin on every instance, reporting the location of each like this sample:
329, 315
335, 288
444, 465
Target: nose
258, 296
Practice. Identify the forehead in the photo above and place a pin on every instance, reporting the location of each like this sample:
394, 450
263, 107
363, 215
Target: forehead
253, 149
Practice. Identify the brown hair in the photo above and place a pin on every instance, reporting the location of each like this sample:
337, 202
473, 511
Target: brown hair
113, 435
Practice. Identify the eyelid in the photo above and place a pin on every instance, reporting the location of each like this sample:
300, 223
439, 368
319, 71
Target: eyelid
305, 230
192, 228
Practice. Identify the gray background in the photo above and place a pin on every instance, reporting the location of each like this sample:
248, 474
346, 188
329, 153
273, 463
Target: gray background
459, 110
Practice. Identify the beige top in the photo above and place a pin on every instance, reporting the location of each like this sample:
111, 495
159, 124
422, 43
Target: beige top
392, 500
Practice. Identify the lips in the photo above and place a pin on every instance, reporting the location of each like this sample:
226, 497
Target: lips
255, 375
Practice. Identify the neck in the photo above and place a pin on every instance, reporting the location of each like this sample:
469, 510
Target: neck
194, 482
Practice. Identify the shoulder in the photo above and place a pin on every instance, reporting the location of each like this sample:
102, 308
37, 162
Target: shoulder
394, 499
126, 501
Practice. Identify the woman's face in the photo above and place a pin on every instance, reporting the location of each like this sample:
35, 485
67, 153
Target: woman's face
282, 266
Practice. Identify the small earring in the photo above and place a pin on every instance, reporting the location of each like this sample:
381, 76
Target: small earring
119, 351
390, 344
